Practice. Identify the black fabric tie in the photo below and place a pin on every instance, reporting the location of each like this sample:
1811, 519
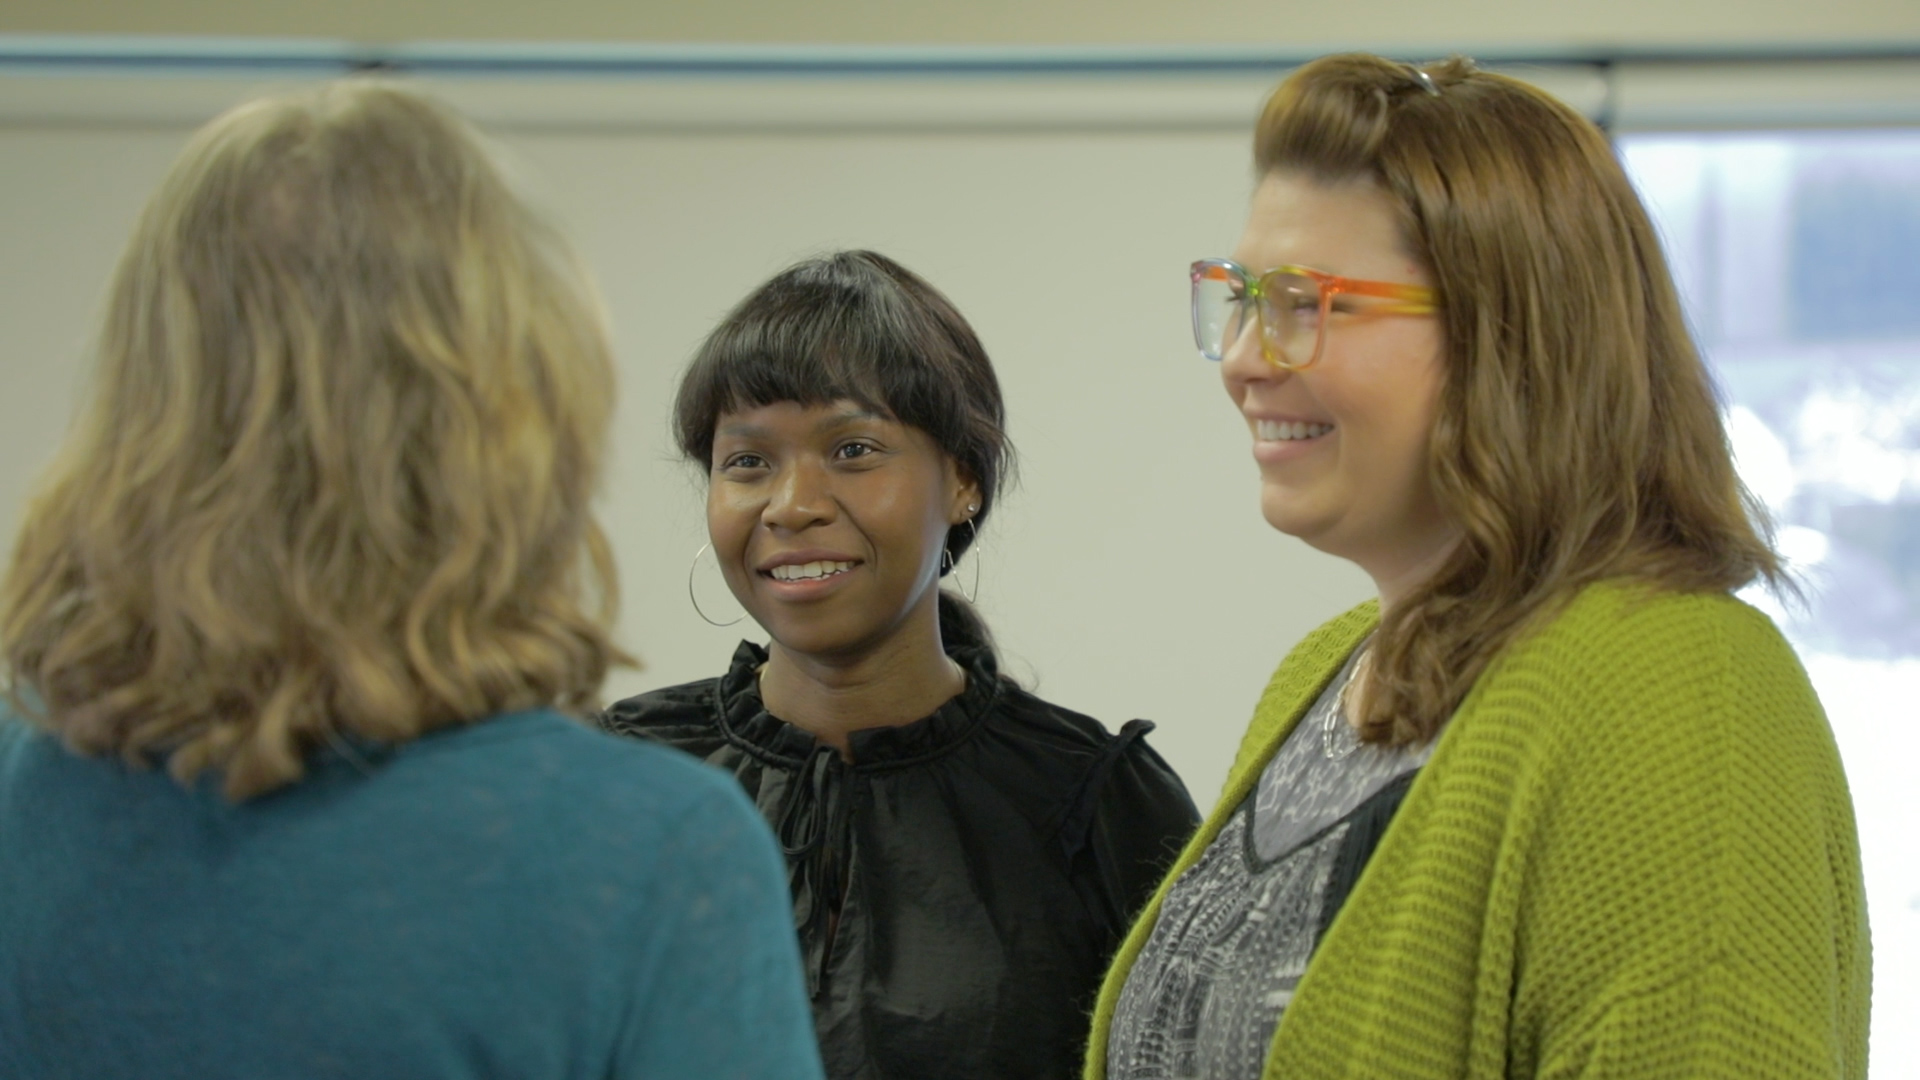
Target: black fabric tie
812, 832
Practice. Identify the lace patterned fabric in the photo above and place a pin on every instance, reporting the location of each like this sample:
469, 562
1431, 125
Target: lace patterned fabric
1237, 930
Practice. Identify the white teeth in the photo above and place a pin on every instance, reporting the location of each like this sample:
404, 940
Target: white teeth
1287, 431
809, 571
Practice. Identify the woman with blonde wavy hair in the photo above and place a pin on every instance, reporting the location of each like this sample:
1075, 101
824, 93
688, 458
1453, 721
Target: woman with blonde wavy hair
320, 548
1555, 803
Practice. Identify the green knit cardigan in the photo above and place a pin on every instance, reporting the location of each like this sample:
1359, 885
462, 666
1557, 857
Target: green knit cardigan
1632, 854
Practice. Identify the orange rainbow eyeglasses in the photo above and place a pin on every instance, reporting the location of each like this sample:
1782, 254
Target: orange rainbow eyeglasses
1290, 304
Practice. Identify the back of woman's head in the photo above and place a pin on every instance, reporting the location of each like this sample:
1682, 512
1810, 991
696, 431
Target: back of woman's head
1578, 436
334, 476
857, 326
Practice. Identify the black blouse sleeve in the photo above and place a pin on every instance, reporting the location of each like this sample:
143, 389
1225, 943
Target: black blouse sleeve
1130, 819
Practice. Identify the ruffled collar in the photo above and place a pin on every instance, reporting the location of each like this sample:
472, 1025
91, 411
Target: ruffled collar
747, 723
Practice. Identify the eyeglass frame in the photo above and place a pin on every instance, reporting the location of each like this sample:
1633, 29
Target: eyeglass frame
1414, 300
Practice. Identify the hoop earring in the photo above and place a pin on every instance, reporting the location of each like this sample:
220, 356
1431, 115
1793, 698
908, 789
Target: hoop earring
691, 567
948, 562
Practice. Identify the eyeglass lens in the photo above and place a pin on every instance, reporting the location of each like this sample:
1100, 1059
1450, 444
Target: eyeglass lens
1289, 314
1220, 309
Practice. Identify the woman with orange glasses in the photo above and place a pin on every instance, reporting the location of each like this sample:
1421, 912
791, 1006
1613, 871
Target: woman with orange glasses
1555, 803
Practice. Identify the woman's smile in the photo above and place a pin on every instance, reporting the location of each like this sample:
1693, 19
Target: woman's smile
806, 575
1276, 441
813, 571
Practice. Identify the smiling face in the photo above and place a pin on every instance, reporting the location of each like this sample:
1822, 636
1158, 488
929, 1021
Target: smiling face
829, 522
1342, 445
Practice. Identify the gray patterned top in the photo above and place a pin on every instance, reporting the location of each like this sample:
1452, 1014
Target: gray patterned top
1237, 929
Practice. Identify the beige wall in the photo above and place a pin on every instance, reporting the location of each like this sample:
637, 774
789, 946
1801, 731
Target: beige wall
1421, 27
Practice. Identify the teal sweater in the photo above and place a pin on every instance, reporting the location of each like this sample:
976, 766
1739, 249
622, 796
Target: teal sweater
1632, 855
521, 897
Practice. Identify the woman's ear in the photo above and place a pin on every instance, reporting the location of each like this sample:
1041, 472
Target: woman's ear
966, 500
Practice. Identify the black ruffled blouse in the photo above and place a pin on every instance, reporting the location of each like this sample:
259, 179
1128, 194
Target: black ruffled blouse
960, 885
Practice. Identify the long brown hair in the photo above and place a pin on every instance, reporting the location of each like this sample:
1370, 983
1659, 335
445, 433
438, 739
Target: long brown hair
347, 416
1578, 436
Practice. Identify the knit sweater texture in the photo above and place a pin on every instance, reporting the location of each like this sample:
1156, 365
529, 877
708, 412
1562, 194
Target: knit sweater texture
1632, 855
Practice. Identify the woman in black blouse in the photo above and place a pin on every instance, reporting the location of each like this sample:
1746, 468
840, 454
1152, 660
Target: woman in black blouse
964, 856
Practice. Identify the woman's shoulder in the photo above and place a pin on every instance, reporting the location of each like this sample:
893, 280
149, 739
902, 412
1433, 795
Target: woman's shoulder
1033, 716
1613, 629
1625, 665
667, 708
617, 833
543, 754
1080, 772
533, 775
1646, 606
1053, 729
687, 716
1074, 741
690, 712
548, 791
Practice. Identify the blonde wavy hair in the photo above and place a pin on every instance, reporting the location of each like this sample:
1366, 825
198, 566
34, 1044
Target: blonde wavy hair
1578, 436
334, 476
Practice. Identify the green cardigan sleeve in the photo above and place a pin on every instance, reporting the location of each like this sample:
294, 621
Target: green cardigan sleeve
1691, 903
